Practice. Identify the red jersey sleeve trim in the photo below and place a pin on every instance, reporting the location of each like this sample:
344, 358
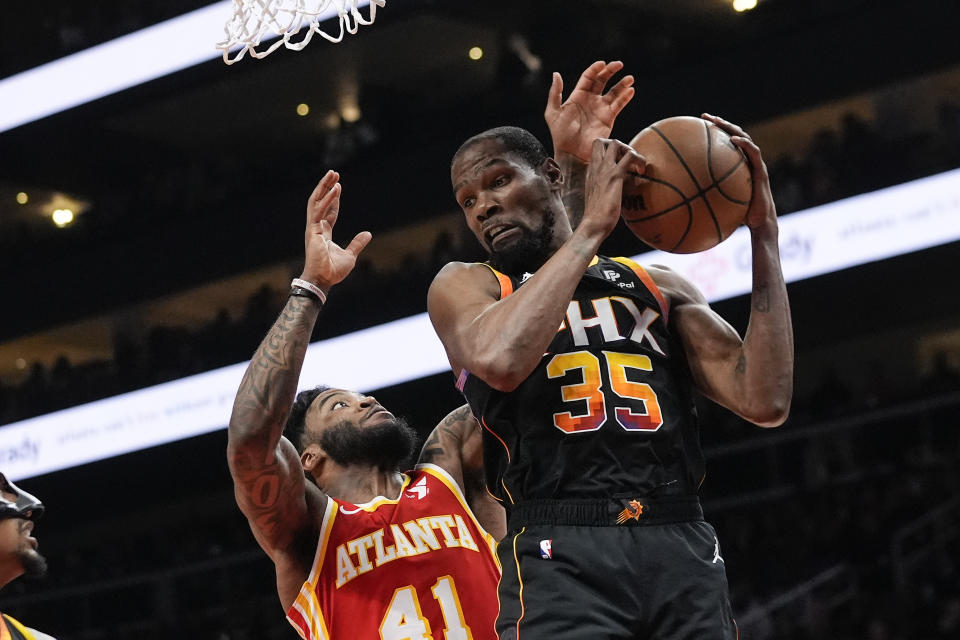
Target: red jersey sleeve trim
305, 613
441, 474
648, 283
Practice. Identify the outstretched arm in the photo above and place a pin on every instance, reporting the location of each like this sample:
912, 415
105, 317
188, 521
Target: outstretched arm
752, 377
587, 114
456, 445
268, 478
267, 475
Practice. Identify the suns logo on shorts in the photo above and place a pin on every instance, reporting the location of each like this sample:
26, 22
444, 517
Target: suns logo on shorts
633, 511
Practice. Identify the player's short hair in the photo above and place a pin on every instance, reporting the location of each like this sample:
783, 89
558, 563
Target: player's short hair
514, 139
297, 420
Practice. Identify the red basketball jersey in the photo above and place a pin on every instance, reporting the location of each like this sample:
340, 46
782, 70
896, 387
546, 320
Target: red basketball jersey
416, 568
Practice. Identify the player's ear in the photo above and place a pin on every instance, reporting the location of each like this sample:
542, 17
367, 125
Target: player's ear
552, 171
312, 458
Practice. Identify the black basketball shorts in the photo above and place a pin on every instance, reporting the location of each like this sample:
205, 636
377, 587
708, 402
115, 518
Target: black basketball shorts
656, 579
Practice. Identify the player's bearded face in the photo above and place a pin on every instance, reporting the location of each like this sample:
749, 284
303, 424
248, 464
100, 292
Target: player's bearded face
530, 251
384, 445
34, 565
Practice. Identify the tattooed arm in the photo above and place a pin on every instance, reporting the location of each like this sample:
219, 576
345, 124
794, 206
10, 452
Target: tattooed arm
752, 377
268, 478
574, 180
456, 445
282, 508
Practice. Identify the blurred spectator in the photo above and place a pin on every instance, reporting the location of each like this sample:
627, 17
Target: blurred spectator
943, 376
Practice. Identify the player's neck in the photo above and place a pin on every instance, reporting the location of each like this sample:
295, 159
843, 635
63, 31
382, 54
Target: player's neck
359, 485
10, 570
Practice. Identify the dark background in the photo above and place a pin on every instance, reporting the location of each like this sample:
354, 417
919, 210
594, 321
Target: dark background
202, 175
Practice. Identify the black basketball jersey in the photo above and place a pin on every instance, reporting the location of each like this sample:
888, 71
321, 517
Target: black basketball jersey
609, 409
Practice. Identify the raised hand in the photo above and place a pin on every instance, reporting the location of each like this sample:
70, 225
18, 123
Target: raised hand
325, 262
588, 113
610, 163
762, 209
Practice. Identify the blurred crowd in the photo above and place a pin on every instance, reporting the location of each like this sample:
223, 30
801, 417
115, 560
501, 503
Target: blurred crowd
856, 158
848, 517
165, 353
839, 164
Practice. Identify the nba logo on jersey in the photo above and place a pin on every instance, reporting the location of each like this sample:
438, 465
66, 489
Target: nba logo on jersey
419, 489
546, 549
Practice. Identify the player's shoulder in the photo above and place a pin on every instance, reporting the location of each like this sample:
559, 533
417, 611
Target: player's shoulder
661, 273
431, 475
458, 276
457, 270
427, 473
675, 286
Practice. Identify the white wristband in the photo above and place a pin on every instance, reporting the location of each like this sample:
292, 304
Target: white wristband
312, 288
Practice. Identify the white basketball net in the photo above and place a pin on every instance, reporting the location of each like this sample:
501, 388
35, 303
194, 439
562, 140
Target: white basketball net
254, 20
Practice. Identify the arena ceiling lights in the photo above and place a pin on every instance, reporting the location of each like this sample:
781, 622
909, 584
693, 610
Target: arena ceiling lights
114, 66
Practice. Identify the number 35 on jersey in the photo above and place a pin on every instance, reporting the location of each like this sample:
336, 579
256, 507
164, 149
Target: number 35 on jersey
610, 379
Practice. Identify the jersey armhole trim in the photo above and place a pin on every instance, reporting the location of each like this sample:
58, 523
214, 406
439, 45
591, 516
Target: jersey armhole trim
506, 288
307, 606
462, 380
24, 631
506, 285
441, 474
648, 283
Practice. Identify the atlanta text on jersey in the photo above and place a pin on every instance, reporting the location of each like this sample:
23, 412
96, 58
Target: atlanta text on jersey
354, 557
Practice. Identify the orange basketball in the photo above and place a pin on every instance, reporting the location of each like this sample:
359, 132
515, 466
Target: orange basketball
696, 188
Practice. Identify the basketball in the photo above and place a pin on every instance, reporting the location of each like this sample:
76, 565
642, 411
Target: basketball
696, 188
